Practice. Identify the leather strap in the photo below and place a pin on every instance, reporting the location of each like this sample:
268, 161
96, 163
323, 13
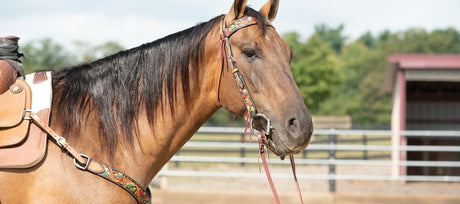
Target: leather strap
224, 49
17, 67
227, 58
127, 183
267, 171
59, 140
121, 179
299, 193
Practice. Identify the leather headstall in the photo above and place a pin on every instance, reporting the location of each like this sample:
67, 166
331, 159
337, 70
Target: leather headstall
226, 56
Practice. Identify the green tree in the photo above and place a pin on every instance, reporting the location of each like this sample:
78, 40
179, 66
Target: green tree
86, 52
331, 35
45, 54
107, 49
314, 66
363, 67
444, 41
368, 40
417, 40
48, 54
358, 93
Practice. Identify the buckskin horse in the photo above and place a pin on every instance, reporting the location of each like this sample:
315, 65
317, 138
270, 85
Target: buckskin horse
135, 109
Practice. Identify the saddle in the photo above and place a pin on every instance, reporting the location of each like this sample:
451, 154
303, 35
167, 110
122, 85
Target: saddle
22, 144
13, 104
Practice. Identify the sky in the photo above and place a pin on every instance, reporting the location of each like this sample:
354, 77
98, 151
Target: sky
134, 22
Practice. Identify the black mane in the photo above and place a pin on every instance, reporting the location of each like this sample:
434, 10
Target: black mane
116, 87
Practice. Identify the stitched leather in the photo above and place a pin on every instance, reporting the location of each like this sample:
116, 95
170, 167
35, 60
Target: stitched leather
13, 128
30, 151
40, 77
141, 195
7, 76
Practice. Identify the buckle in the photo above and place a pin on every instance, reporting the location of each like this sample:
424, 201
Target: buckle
77, 164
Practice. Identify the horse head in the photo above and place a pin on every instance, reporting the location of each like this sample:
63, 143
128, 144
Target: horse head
263, 59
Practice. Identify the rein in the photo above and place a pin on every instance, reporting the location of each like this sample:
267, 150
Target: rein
263, 139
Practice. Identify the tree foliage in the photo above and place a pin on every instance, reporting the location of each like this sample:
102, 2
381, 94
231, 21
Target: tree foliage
332, 35
363, 63
48, 54
314, 66
336, 75
45, 54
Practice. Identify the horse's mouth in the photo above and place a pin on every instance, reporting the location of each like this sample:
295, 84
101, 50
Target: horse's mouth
276, 145
272, 140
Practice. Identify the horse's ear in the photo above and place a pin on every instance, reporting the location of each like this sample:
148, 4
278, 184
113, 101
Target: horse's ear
270, 9
237, 10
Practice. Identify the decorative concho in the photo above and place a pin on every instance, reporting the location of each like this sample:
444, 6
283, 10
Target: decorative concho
16, 88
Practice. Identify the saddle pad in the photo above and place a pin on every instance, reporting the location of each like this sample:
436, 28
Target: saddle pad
13, 128
32, 150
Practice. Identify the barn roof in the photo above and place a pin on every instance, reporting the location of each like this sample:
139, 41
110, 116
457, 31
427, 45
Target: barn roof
425, 61
426, 65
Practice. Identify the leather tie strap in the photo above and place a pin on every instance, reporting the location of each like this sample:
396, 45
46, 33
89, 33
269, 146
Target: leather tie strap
127, 183
291, 157
267, 171
59, 140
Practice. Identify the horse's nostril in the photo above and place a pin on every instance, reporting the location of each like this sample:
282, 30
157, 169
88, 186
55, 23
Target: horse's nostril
293, 124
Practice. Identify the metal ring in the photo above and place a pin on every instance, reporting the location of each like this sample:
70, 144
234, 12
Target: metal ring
267, 132
24, 114
58, 141
77, 164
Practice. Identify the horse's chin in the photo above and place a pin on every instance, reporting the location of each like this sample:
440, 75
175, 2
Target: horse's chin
277, 146
280, 147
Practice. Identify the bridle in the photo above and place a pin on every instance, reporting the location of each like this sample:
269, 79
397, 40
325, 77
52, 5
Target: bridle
226, 56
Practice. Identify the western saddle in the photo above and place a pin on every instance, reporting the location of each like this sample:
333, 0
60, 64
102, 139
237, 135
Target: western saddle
15, 97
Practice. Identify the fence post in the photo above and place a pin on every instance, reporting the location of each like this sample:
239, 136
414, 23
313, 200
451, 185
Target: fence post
242, 151
176, 163
332, 157
365, 157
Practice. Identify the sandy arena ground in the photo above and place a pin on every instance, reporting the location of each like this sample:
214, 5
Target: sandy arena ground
205, 190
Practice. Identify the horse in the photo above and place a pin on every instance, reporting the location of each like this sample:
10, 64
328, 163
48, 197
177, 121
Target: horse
135, 109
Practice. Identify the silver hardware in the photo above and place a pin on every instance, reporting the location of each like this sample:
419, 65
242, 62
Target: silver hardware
267, 132
77, 164
24, 114
60, 141
16, 88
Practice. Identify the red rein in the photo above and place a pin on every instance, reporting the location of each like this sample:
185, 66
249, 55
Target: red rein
264, 162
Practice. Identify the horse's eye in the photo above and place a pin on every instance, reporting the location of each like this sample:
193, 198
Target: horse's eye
249, 53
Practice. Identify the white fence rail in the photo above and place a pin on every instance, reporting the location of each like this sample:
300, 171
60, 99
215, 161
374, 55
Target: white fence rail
332, 161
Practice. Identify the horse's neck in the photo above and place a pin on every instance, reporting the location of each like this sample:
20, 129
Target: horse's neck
155, 144
169, 134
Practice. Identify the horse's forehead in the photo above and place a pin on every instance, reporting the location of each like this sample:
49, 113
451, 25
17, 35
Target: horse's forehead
271, 41
256, 34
